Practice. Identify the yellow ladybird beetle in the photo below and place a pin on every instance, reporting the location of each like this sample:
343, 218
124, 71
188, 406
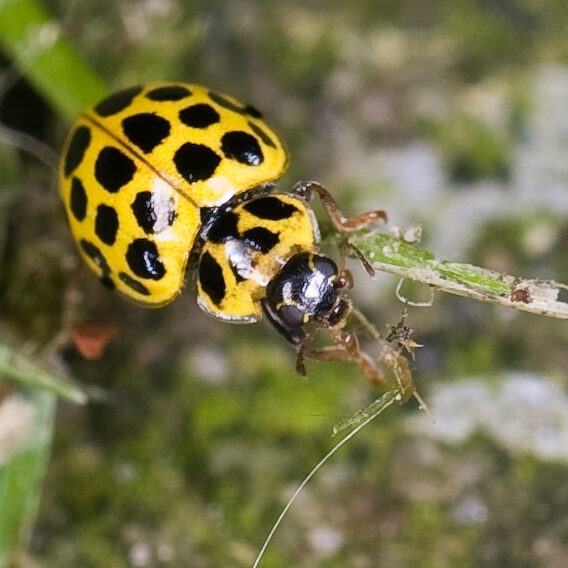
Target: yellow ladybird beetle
156, 176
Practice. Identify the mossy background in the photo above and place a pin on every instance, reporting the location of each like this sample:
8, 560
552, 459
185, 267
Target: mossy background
449, 113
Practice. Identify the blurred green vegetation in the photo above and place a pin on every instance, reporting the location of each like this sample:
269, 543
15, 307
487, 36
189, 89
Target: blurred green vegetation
198, 432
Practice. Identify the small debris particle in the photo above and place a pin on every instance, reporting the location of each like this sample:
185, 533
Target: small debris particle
90, 339
521, 295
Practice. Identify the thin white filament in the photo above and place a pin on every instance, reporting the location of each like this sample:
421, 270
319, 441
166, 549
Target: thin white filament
387, 400
408, 301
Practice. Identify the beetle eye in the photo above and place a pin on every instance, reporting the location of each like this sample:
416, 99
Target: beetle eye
291, 316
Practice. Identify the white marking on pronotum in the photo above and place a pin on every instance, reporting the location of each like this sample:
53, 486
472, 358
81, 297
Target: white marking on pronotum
239, 256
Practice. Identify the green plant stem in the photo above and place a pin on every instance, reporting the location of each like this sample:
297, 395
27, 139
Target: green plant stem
390, 254
34, 42
18, 367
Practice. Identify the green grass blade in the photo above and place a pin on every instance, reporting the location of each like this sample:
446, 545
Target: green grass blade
26, 426
34, 42
16, 366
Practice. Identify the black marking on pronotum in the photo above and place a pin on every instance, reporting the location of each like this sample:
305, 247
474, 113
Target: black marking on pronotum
106, 224
113, 169
117, 101
262, 134
224, 228
76, 150
143, 259
93, 252
261, 239
196, 162
144, 210
146, 130
211, 278
242, 147
134, 284
270, 208
78, 199
200, 115
238, 277
168, 93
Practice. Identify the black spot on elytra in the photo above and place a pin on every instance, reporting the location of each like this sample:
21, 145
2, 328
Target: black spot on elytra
95, 255
106, 224
143, 259
242, 147
78, 199
134, 284
261, 239
211, 278
107, 282
270, 208
199, 116
262, 134
168, 93
235, 272
117, 101
146, 130
225, 102
146, 214
113, 169
196, 162
76, 150
224, 228
252, 111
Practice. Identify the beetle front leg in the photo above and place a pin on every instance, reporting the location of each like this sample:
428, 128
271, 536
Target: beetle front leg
305, 189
